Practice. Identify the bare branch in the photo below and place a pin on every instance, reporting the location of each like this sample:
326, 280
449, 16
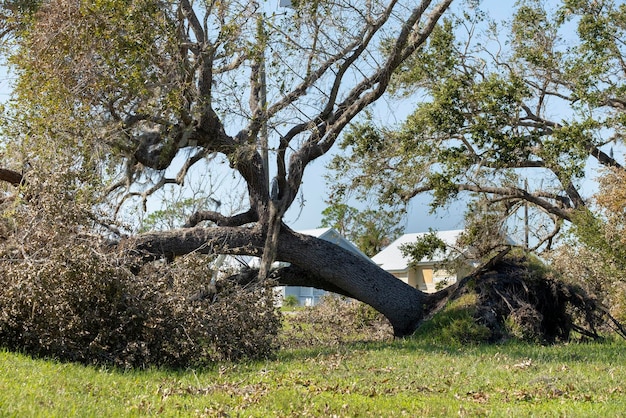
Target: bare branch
548, 238
182, 173
520, 194
218, 219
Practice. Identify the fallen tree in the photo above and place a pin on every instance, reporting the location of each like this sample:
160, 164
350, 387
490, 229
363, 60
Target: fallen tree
115, 114
314, 262
115, 101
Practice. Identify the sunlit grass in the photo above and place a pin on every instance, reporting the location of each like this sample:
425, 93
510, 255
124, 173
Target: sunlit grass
400, 378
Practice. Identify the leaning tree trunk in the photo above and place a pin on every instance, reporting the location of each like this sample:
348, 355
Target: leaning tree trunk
314, 262
358, 278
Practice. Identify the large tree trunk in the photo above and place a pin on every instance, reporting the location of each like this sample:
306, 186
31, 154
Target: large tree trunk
315, 262
359, 278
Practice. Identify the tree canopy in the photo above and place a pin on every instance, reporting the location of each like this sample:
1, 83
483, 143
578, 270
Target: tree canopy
515, 116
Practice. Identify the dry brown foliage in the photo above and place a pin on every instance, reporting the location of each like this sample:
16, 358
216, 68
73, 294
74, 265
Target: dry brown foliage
65, 294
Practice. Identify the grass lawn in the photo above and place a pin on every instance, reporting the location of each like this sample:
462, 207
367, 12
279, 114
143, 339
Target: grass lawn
394, 378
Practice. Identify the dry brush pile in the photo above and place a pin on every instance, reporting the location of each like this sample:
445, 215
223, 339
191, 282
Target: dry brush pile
64, 295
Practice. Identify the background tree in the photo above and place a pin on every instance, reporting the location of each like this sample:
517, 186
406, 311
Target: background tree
595, 254
516, 114
370, 230
132, 96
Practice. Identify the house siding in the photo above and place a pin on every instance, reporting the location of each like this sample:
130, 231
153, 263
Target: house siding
415, 279
307, 296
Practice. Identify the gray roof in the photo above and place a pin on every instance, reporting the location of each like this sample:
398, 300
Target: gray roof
331, 235
391, 258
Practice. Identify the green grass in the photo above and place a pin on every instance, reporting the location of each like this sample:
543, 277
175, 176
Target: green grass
399, 378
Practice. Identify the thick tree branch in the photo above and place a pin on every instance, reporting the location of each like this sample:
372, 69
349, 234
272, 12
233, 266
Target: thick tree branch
349, 272
602, 157
218, 219
156, 150
10, 176
193, 20
288, 276
178, 242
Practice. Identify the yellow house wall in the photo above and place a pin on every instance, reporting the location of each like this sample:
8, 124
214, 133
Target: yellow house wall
425, 277
413, 279
422, 277
403, 275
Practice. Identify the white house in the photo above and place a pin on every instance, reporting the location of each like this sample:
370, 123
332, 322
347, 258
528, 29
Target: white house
429, 272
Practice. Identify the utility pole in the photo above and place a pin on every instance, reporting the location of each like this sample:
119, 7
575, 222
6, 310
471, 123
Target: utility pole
526, 227
275, 217
263, 133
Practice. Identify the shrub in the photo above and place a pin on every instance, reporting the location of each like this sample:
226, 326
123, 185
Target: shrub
66, 293
74, 303
290, 301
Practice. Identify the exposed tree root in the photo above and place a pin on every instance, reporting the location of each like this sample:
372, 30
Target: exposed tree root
518, 300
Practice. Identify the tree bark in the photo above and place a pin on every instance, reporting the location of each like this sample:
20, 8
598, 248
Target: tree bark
322, 264
10, 176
